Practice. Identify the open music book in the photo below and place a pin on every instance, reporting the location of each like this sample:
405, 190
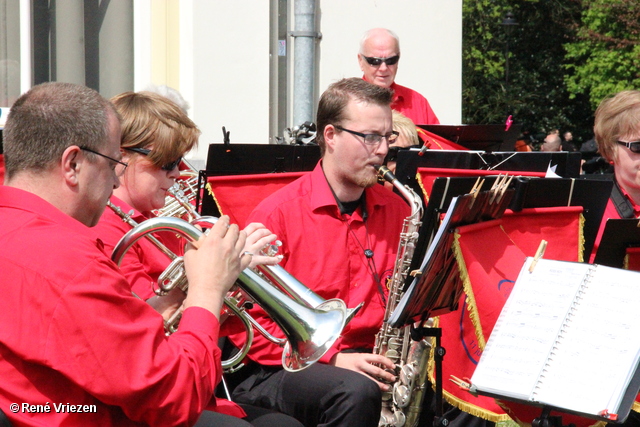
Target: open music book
568, 337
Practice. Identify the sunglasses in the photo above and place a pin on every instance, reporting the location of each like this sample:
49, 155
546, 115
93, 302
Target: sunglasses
375, 62
165, 167
633, 146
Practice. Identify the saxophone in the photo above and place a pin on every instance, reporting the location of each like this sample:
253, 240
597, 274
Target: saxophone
402, 404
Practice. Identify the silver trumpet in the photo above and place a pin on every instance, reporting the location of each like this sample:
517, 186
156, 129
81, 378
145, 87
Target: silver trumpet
309, 331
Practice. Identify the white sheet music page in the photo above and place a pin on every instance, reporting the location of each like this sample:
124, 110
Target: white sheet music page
527, 327
601, 347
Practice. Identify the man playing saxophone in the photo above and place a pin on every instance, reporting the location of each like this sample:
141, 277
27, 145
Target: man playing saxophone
156, 134
340, 233
76, 347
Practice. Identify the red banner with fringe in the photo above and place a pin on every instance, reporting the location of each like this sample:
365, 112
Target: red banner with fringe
238, 195
489, 256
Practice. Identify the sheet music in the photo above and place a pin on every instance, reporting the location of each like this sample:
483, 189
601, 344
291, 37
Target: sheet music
604, 340
568, 336
536, 309
429, 257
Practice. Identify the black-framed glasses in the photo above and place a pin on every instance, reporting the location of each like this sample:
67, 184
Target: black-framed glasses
145, 152
372, 138
375, 62
116, 170
633, 146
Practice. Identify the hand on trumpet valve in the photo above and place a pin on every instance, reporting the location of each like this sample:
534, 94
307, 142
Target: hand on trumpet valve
259, 242
213, 264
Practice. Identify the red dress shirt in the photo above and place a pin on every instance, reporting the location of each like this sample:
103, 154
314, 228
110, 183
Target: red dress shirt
325, 251
74, 334
413, 105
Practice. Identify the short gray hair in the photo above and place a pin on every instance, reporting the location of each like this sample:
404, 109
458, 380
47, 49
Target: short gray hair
367, 34
50, 117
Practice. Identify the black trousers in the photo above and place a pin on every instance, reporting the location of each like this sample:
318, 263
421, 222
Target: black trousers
320, 395
323, 395
257, 417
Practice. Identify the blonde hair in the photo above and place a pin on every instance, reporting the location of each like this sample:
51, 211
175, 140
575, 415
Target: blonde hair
406, 128
616, 117
150, 119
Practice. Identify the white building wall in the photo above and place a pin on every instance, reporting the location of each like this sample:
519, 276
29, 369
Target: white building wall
230, 73
430, 33
224, 70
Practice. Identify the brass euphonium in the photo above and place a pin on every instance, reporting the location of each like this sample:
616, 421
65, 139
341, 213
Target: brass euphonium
179, 204
310, 332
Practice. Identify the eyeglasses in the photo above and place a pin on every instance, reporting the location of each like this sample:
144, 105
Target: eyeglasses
375, 62
372, 138
145, 152
633, 146
118, 172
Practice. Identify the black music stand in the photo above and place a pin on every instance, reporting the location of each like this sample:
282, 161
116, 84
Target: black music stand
408, 161
438, 288
592, 195
245, 159
478, 137
618, 235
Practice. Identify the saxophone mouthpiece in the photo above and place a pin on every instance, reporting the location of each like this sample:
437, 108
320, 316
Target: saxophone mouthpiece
385, 173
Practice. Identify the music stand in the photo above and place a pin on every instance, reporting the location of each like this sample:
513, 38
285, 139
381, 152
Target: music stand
408, 161
592, 195
478, 137
246, 159
249, 159
618, 235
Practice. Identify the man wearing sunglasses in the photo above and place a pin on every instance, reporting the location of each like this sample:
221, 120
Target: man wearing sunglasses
378, 58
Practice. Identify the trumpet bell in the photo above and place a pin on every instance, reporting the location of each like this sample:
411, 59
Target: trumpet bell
317, 335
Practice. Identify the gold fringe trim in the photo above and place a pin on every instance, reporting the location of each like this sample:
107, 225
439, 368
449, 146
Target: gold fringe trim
459, 403
474, 410
210, 190
426, 194
472, 306
636, 406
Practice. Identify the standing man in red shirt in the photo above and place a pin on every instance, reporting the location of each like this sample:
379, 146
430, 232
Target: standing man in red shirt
78, 348
378, 58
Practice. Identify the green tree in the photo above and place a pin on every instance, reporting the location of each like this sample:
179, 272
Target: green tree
536, 94
605, 57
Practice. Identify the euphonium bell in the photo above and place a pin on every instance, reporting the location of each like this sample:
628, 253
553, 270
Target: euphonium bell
310, 331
